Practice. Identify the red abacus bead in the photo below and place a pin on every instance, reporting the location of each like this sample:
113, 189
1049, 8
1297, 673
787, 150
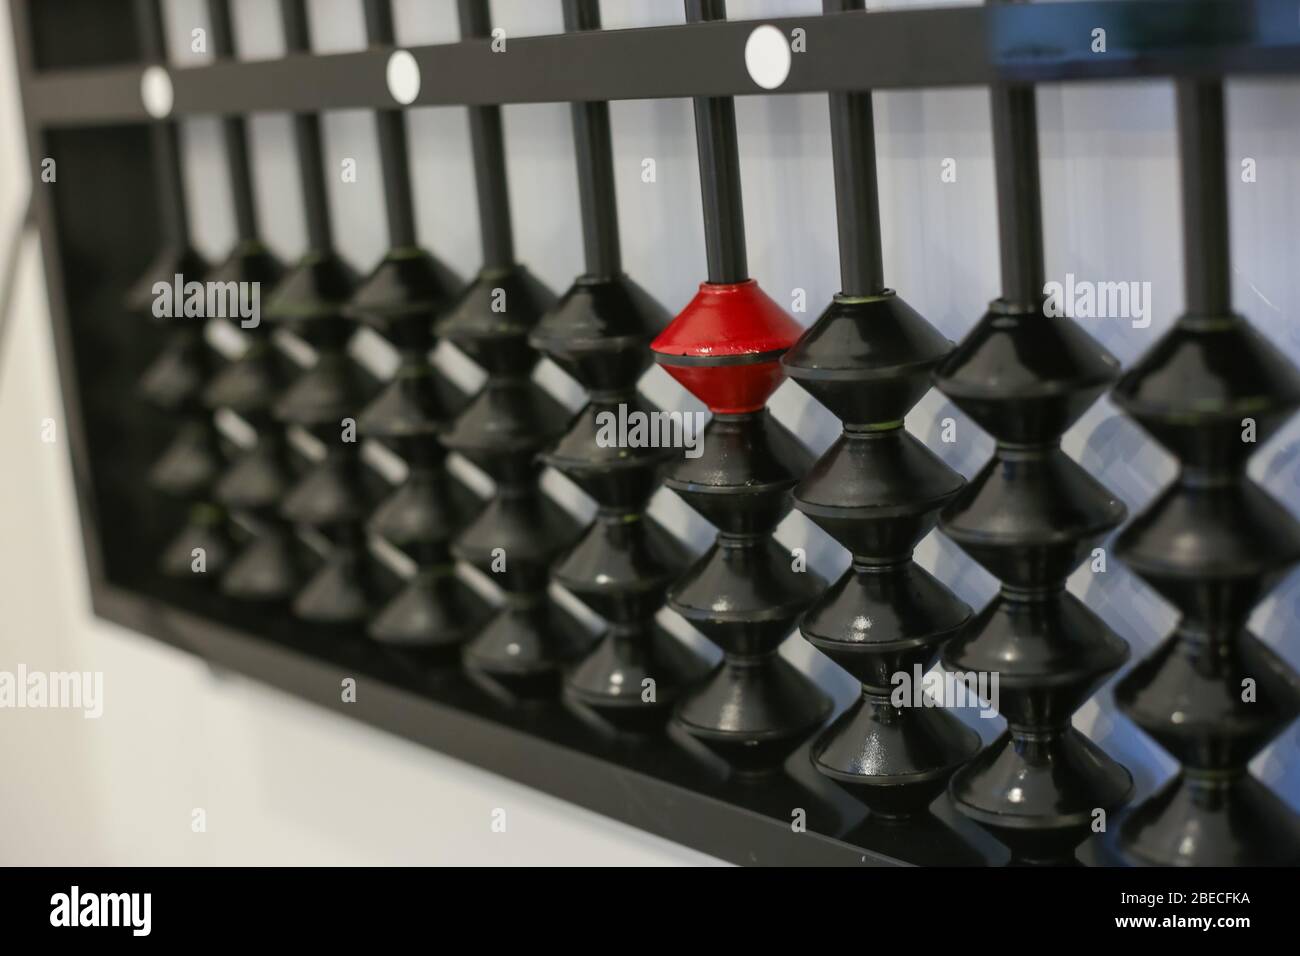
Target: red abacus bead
725, 347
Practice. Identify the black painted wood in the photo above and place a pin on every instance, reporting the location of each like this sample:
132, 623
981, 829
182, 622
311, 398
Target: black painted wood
914, 48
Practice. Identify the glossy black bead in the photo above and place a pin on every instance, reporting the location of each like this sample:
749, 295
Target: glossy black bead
333, 496
1030, 517
622, 566
1213, 544
745, 595
877, 491
514, 539
272, 565
434, 612
192, 461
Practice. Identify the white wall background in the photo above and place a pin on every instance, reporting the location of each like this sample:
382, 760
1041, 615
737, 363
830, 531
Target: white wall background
283, 782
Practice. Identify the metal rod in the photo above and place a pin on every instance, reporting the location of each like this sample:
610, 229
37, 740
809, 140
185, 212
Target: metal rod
307, 137
1020, 215
592, 145
487, 142
379, 22
715, 142
235, 128
164, 136
149, 23
1202, 149
857, 197
391, 132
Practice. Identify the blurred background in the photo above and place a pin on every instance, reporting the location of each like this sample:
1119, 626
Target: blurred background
283, 782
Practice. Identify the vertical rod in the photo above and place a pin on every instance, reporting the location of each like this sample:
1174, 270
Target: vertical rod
488, 144
857, 197
1020, 214
715, 142
391, 129
593, 148
164, 136
307, 137
1202, 149
235, 128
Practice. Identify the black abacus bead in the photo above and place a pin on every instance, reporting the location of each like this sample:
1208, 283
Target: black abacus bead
174, 380
333, 496
1030, 517
434, 612
622, 566
524, 645
174, 383
744, 595
1212, 544
878, 491
270, 566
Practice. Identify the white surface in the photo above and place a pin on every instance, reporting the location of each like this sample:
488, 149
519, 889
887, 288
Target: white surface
284, 782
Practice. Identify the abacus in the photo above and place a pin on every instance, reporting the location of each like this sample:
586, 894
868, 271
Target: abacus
263, 495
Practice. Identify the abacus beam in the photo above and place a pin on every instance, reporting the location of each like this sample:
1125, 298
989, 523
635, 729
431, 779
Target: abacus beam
307, 137
391, 129
1207, 270
594, 152
235, 128
964, 45
857, 200
715, 134
488, 144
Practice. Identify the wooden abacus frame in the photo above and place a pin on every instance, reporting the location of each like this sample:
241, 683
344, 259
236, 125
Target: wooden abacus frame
81, 93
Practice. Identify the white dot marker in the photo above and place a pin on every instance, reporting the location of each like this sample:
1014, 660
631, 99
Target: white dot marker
403, 77
156, 92
767, 56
